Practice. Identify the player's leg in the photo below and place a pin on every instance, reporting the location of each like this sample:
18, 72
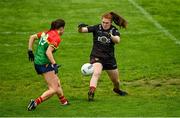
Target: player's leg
114, 76
60, 93
94, 80
49, 78
53, 88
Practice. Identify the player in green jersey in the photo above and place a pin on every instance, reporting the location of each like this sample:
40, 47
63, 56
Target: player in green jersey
45, 63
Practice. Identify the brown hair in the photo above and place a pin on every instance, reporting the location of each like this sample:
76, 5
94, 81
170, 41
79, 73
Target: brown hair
118, 20
57, 24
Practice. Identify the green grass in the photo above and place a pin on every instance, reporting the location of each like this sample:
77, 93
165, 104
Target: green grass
148, 60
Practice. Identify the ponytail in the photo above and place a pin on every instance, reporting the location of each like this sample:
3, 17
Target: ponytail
118, 20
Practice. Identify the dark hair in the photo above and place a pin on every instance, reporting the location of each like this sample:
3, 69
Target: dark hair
118, 20
57, 24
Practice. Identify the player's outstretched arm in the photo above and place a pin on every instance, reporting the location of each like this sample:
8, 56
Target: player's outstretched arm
82, 28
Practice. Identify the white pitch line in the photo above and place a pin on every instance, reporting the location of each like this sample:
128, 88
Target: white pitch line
158, 25
29, 33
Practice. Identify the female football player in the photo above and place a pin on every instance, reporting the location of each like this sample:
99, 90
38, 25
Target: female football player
105, 36
45, 63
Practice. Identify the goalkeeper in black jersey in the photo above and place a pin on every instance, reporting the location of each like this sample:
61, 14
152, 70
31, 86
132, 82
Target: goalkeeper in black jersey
105, 36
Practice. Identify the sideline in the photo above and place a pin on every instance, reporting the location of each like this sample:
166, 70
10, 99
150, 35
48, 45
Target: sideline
158, 25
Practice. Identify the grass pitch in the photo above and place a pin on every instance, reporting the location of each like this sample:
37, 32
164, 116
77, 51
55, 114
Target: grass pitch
148, 59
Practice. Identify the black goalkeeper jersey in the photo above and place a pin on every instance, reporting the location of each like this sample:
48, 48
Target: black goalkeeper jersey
103, 47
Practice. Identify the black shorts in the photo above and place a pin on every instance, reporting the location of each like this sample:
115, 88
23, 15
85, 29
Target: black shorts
108, 64
40, 69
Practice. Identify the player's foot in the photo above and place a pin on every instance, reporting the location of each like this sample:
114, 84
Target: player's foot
66, 102
90, 96
32, 105
120, 92
63, 101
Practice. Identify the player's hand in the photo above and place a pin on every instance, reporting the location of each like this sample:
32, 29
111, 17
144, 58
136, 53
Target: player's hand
30, 55
82, 25
55, 66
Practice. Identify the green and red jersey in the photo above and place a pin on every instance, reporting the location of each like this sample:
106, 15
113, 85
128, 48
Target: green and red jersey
45, 39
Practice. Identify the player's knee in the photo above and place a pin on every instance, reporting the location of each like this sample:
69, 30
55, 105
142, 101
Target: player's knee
96, 74
53, 91
54, 88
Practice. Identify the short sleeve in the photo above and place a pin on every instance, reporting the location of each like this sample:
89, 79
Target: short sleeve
54, 41
115, 32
